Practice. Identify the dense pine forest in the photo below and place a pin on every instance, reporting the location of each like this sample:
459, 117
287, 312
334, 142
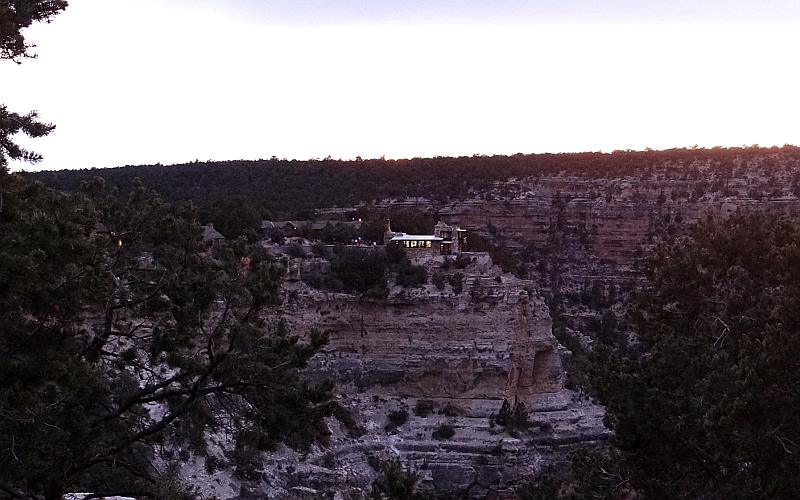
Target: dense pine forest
293, 188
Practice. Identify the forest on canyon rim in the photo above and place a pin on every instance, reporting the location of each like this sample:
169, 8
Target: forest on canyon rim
111, 304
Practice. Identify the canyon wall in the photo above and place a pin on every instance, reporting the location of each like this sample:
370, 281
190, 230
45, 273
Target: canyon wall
462, 354
466, 353
583, 236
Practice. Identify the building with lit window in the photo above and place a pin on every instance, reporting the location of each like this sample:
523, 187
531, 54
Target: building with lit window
445, 240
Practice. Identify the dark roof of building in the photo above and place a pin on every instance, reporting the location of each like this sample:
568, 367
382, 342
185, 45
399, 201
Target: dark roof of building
315, 225
211, 234
297, 224
322, 224
294, 224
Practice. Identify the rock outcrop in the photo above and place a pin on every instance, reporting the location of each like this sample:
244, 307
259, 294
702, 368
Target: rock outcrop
464, 353
461, 355
590, 225
586, 238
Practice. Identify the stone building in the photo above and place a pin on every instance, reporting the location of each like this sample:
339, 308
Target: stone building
454, 239
211, 235
445, 240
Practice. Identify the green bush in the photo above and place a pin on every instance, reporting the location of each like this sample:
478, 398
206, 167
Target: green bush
513, 419
328, 460
395, 482
451, 410
444, 431
424, 407
359, 270
457, 282
462, 261
589, 473
213, 464
396, 419
395, 254
296, 251
319, 249
438, 281
409, 275
276, 236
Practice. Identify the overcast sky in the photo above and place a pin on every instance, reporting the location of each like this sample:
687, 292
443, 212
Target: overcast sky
148, 81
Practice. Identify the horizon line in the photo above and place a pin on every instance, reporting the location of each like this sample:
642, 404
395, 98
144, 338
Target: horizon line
328, 158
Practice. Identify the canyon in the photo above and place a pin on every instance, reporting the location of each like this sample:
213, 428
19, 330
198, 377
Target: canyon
584, 236
581, 240
462, 355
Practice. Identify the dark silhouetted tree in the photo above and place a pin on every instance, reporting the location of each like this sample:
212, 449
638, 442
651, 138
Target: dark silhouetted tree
15, 16
117, 339
708, 406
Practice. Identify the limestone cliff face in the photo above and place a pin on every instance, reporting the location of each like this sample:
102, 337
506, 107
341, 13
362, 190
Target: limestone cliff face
465, 353
581, 234
492, 341
461, 353
619, 230
614, 220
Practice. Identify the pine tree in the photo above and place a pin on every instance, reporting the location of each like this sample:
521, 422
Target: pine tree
15, 16
707, 405
121, 330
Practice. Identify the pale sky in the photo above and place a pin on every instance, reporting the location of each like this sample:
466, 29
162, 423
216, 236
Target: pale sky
149, 81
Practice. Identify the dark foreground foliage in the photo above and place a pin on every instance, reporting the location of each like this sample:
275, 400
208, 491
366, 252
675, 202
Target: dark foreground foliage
708, 405
15, 17
122, 331
590, 474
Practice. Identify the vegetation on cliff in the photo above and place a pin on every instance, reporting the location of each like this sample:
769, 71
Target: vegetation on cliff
704, 404
364, 270
599, 474
707, 405
124, 336
396, 483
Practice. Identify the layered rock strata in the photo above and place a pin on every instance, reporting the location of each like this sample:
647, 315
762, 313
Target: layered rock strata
462, 354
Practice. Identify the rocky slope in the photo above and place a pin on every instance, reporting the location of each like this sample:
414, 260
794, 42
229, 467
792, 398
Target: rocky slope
614, 220
584, 234
462, 354
584, 238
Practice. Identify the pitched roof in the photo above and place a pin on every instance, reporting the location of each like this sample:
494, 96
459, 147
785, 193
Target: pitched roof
297, 224
322, 224
279, 224
211, 234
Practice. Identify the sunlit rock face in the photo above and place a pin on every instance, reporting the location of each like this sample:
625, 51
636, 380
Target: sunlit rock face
463, 354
